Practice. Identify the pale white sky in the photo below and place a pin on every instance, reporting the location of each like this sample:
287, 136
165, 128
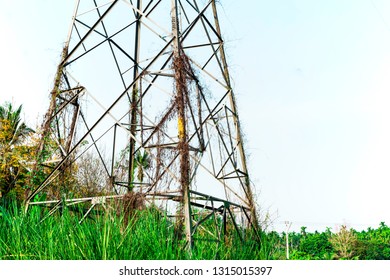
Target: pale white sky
311, 79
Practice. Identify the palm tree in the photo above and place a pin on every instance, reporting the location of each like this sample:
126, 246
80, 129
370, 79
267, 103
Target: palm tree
13, 133
13, 129
142, 162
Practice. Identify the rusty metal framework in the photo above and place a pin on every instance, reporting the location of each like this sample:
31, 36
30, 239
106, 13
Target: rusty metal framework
144, 88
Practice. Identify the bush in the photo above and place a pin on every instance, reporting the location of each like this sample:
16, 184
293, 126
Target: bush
344, 243
316, 245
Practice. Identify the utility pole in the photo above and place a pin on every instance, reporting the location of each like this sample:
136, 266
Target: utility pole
288, 225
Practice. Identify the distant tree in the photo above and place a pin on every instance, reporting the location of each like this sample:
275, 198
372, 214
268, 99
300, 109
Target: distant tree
91, 177
303, 231
13, 149
344, 243
316, 245
142, 162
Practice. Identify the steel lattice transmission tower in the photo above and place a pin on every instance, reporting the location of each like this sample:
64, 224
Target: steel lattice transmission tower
144, 87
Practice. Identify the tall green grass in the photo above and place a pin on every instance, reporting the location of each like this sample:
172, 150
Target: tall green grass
147, 236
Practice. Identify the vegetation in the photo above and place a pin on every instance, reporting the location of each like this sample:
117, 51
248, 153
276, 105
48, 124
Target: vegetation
346, 244
14, 151
148, 235
135, 231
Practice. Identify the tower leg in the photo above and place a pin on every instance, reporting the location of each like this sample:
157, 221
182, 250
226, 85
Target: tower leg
181, 99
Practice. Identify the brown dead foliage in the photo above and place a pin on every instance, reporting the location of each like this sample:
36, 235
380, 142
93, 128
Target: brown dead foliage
129, 205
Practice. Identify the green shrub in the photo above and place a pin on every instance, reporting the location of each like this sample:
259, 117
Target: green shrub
316, 245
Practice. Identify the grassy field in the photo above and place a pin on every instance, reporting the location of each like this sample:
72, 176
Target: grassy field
147, 236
